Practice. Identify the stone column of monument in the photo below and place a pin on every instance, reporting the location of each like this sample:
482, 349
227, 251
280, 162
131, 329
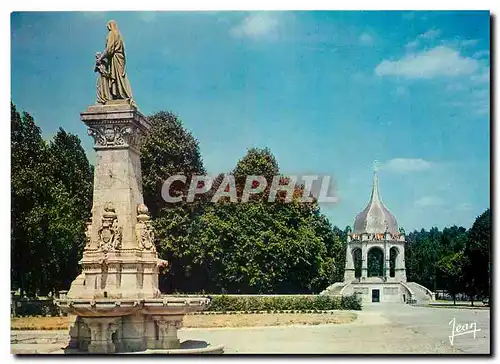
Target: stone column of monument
387, 257
113, 235
400, 271
364, 261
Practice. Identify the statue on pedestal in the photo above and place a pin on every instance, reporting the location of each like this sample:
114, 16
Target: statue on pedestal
112, 82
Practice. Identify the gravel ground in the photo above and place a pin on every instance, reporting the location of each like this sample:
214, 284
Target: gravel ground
281, 319
379, 329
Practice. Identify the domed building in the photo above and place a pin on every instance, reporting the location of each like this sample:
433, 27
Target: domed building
375, 264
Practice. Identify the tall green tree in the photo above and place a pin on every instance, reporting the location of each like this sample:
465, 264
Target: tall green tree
168, 150
452, 266
28, 175
51, 196
70, 206
261, 246
477, 251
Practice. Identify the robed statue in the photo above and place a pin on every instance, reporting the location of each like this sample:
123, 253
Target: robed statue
112, 80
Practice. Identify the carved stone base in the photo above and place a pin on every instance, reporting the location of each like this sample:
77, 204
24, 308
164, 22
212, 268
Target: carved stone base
102, 334
167, 327
134, 333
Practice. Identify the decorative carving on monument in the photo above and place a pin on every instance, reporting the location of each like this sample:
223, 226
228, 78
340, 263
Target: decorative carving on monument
88, 234
144, 229
96, 133
110, 234
115, 135
161, 263
167, 330
112, 328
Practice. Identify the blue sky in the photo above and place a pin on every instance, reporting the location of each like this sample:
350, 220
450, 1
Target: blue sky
327, 92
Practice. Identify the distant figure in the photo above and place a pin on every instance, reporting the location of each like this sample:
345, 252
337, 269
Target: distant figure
113, 60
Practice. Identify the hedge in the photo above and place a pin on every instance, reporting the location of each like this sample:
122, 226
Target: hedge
269, 303
35, 307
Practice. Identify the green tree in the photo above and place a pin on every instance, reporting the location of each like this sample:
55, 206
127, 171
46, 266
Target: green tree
477, 251
51, 196
69, 207
261, 246
452, 267
28, 178
168, 150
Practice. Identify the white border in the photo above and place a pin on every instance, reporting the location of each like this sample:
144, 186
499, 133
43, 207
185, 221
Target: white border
188, 5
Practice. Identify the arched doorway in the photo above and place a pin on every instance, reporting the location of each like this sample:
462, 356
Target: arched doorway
375, 262
357, 259
393, 255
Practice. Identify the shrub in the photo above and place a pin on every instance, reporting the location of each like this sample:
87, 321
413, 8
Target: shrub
351, 302
280, 303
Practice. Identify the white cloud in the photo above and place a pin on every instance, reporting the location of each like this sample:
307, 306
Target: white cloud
430, 34
412, 44
438, 61
483, 77
257, 25
366, 39
481, 54
429, 201
469, 42
427, 36
479, 100
406, 165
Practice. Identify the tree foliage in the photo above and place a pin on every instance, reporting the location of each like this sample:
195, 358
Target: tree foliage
51, 190
254, 247
221, 247
477, 251
169, 150
454, 259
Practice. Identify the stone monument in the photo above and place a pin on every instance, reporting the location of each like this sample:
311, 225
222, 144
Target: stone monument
375, 265
116, 300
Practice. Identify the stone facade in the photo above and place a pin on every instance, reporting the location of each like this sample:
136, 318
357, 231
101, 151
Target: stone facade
385, 242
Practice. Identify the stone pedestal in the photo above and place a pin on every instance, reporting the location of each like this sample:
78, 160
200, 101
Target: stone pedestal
116, 263
116, 300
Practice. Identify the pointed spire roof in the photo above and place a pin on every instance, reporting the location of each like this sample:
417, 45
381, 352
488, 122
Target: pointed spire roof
375, 218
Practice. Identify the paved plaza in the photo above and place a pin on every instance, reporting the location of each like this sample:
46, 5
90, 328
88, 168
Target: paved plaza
379, 329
